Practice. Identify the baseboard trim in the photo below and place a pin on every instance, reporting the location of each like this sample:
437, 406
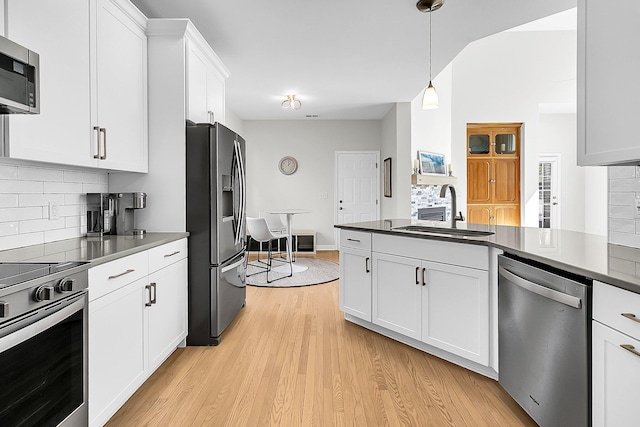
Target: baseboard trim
326, 247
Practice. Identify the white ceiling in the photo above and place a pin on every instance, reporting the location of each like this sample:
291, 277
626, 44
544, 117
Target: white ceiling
343, 59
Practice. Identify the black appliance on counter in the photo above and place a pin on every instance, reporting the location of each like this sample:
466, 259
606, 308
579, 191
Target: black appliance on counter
216, 212
43, 344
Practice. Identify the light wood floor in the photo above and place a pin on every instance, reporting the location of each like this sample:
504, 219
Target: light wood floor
290, 359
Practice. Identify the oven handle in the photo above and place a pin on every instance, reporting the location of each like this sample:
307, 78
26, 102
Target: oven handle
543, 291
23, 334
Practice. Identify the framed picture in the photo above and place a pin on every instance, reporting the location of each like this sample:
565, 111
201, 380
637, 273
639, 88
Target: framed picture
387, 177
432, 163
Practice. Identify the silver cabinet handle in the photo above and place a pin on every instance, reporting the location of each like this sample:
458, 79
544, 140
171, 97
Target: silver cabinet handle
172, 254
148, 288
122, 274
551, 294
417, 280
97, 129
155, 293
353, 240
366, 265
630, 316
104, 142
424, 281
630, 349
492, 180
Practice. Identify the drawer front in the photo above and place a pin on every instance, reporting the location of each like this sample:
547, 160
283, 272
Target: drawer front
106, 278
162, 256
617, 308
466, 255
355, 239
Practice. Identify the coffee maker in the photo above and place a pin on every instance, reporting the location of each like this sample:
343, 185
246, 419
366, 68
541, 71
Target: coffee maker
112, 213
126, 203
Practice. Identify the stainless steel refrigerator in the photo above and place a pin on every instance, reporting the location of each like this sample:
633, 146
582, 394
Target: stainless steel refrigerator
216, 212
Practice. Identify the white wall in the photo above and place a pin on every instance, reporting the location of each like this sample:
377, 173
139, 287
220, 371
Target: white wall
517, 77
313, 144
396, 143
26, 189
233, 122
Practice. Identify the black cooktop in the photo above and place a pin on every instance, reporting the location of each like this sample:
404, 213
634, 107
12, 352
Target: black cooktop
13, 273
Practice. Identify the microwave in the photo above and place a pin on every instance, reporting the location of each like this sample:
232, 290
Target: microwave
19, 79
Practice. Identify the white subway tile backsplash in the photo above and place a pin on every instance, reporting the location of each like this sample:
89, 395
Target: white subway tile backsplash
626, 184
20, 214
41, 225
17, 187
39, 199
624, 239
622, 225
9, 200
621, 199
25, 194
39, 174
94, 188
62, 187
19, 240
8, 172
8, 228
622, 212
617, 172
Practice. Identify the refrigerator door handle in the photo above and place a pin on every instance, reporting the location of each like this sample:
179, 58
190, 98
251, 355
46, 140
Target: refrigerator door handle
243, 182
241, 187
232, 266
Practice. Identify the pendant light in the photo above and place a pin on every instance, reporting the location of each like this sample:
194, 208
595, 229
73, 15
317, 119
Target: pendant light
429, 97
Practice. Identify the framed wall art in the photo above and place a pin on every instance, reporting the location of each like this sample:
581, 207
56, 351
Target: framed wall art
432, 163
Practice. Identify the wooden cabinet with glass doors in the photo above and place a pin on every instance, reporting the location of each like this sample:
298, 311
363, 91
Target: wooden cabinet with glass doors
493, 173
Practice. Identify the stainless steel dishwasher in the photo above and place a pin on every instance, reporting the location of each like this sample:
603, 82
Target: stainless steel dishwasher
544, 341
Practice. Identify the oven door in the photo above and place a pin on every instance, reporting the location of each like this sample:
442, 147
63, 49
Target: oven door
43, 366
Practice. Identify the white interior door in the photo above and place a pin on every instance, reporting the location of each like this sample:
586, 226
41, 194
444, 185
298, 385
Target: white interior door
549, 191
357, 186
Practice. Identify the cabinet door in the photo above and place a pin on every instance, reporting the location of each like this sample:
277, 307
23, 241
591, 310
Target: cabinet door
479, 214
607, 113
116, 349
121, 88
616, 375
168, 312
396, 294
506, 215
61, 133
455, 310
196, 85
478, 180
215, 95
505, 179
355, 282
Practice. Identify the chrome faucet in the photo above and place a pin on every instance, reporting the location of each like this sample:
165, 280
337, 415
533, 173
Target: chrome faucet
443, 194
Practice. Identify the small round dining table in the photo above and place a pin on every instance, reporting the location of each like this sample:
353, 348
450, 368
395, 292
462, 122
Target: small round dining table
289, 214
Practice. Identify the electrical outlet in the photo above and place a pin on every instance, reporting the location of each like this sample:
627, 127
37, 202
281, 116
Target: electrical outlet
53, 211
324, 195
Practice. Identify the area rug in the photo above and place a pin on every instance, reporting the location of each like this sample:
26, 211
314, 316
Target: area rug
319, 271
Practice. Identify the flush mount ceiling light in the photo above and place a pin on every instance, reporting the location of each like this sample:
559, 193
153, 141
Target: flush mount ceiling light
291, 102
429, 97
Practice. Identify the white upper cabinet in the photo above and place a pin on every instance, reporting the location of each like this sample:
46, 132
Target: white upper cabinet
205, 84
608, 90
93, 74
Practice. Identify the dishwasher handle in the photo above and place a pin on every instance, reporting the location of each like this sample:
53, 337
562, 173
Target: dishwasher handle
543, 291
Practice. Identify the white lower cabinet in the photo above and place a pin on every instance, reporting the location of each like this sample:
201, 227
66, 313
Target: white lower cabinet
137, 318
414, 289
396, 294
615, 356
355, 269
116, 349
455, 310
167, 320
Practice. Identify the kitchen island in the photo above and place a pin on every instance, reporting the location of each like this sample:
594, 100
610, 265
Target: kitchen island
436, 289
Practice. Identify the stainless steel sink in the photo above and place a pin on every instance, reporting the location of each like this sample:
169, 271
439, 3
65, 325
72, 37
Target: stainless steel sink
447, 231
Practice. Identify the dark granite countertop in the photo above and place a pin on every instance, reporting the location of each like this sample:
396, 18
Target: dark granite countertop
584, 254
95, 250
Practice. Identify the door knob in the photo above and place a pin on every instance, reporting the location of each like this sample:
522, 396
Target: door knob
340, 207
340, 201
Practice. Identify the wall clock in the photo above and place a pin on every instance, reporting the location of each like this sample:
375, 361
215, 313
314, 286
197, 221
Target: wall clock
288, 165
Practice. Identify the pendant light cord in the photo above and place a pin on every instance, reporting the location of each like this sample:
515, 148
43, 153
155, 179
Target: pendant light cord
430, 12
